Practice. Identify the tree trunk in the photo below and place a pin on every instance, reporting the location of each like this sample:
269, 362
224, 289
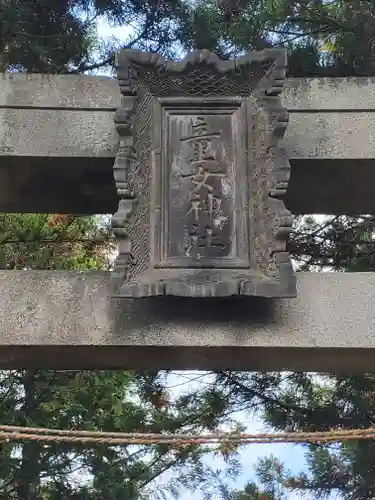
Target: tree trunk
29, 478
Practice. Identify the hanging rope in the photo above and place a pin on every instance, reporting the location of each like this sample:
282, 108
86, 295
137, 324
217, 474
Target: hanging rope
15, 433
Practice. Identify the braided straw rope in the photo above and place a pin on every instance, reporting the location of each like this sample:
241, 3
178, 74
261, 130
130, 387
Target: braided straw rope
15, 433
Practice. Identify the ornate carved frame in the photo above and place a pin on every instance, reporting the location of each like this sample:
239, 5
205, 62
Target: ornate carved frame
249, 86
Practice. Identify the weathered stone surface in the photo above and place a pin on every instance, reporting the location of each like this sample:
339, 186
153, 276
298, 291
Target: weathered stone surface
329, 94
101, 92
330, 137
56, 133
200, 175
65, 320
91, 134
58, 91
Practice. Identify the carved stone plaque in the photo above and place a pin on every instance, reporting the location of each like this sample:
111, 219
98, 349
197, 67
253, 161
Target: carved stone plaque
200, 176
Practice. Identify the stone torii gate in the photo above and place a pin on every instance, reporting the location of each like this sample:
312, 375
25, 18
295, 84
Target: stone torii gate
58, 143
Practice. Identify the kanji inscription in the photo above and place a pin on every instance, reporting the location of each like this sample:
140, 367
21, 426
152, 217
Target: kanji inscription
204, 218
199, 166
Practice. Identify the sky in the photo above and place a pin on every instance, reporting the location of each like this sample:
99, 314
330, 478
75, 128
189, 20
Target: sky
292, 456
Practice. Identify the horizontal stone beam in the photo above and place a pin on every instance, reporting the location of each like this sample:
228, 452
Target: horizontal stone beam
58, 141
65, 320
72, 116
30, 90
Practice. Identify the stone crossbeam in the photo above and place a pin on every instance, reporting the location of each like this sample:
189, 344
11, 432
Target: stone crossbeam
58, 141
65, 320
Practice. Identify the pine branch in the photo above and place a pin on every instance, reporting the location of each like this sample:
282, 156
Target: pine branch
267, 399
109, 61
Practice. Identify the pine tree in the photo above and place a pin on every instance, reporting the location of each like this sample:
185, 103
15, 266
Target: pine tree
270, 484
334, 38
60, 36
